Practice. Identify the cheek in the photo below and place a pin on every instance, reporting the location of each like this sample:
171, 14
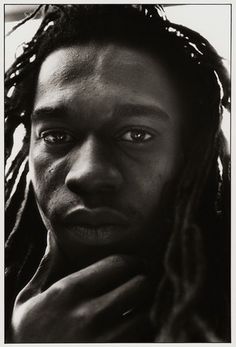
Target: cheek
147, 181
46, 176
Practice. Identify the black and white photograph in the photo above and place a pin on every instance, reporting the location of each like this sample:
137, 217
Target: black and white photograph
117, 146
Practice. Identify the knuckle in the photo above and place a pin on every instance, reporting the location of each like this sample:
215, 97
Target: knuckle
141, 281
93, 313
117, 259
84, 313
84, 316
120, 260
97, 309
56, 290
141, 278
128, 263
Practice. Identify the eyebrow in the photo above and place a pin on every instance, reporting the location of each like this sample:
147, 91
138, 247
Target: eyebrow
48, 112
126, 110
129, 110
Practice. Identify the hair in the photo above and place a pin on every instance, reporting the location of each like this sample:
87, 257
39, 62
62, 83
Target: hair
192, 301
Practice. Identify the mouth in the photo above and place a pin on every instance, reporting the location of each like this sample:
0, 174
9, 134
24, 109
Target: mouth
103, 219
100, 226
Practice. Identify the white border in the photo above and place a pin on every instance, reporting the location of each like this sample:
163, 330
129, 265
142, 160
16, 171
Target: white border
233, 189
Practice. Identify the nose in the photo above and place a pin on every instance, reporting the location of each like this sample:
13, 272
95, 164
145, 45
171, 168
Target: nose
92, 169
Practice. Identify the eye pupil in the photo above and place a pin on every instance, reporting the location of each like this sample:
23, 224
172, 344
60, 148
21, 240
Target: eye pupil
137, 135
56, 138
60, 137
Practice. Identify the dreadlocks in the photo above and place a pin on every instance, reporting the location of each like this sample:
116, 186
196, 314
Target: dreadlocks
184, 308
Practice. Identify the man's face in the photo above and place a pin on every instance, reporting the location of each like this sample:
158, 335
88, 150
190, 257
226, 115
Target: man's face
105, 142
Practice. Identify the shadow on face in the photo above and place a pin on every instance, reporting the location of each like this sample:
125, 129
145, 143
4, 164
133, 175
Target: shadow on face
105, 142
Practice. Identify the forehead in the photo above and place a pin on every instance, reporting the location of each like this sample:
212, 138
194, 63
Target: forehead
111, 73
86, 59
107, 62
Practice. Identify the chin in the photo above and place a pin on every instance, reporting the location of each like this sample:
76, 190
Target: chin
80, 243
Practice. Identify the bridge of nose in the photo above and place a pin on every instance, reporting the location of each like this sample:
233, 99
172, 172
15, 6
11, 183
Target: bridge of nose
92, 167
91, 152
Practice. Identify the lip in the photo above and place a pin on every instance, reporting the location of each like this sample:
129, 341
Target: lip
95, 219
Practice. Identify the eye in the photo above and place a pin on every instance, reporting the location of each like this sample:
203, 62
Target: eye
136, 135
56, 137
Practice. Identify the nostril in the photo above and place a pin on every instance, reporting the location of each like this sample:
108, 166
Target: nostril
94, 181
92, 169
94, 192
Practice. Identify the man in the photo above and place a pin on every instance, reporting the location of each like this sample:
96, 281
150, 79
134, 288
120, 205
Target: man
122, 113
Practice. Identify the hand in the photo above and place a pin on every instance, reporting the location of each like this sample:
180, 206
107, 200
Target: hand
86, 306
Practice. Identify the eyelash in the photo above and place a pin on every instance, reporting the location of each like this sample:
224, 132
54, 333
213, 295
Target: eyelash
142, 135
128, 135
45, 135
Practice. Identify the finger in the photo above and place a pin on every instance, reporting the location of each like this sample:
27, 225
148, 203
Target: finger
136, 328
131, 296
100, 277
49, 268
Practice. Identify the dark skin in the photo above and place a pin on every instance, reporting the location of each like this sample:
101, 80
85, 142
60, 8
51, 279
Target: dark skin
105, 142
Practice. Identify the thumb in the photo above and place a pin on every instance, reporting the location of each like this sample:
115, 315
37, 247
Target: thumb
52, 267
